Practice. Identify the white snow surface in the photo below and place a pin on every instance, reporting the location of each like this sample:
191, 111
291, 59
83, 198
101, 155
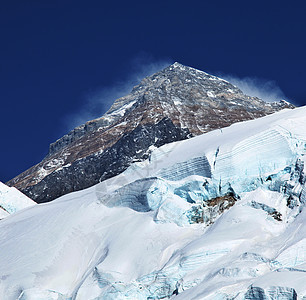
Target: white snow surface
12, 200
134, 236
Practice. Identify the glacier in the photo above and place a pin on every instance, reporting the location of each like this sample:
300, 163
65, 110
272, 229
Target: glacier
218, 216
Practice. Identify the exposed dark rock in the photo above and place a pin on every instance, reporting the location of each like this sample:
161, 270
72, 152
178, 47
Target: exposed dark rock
270, 210
100, 166
224, 202
291, 202
211, 209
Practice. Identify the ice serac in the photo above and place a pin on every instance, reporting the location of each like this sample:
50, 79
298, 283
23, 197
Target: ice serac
234, 228
172, 105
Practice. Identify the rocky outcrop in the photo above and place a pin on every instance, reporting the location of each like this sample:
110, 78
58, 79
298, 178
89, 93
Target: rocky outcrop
99, 166
174, 104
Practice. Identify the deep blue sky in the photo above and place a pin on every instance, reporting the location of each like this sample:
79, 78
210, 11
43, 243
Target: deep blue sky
57, 56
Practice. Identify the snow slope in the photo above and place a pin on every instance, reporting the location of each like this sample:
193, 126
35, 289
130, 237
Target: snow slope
11, 200
214, 217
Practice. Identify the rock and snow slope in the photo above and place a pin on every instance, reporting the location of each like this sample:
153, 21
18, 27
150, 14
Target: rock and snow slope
219, 216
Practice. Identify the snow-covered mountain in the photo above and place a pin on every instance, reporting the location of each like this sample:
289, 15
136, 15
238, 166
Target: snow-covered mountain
11, 200
217, 216
174, 104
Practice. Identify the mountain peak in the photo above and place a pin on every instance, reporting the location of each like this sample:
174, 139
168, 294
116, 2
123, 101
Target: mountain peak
183, 68
179, 67
176, 65
175, 103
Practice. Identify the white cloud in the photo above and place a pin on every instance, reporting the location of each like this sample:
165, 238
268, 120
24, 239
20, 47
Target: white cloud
266, 90
97, 102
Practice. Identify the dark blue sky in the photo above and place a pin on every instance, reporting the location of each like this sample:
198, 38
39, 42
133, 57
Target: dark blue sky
56, 56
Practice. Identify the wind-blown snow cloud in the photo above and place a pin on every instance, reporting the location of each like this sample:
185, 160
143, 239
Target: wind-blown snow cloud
266, 90
100, 100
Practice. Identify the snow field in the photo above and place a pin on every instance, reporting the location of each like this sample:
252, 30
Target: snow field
135, 236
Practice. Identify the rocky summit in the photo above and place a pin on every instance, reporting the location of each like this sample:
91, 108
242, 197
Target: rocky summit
174, 104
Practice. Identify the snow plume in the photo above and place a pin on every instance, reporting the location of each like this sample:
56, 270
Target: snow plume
98, 101
264, 89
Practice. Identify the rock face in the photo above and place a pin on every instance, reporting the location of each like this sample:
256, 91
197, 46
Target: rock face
174, 104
